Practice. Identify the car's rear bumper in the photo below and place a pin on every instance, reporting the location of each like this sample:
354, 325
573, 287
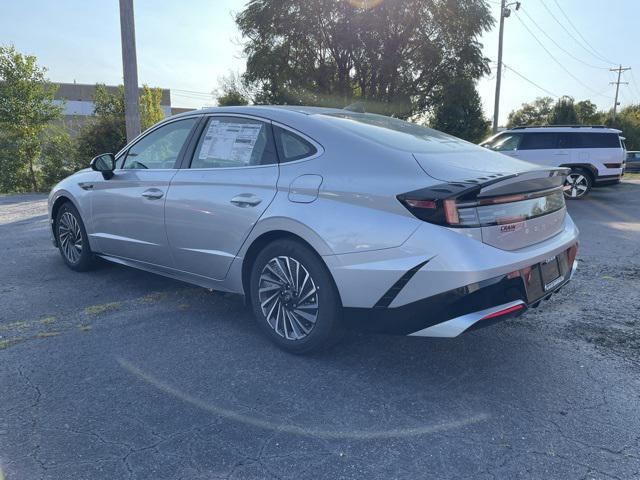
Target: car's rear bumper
453, 312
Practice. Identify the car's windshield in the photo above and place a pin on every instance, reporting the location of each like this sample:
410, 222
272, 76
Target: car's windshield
398, 134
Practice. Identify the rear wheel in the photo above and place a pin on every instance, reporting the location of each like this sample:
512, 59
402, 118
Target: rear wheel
577, 184
293, 297
72, 239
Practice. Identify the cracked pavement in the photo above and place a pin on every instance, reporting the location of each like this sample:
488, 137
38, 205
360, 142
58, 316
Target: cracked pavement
122, 374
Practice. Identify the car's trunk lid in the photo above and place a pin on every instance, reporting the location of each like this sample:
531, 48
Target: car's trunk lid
514, 203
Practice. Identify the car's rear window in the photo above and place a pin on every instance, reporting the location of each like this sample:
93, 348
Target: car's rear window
398, 134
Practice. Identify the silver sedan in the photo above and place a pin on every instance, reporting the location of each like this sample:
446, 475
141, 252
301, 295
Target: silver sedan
325, 219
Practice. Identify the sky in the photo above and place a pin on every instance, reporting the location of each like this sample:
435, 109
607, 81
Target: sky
188, 46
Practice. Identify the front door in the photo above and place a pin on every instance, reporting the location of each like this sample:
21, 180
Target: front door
215, 201
127, 210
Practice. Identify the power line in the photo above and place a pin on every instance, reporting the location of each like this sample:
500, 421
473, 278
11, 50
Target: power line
556, 60
570, 34
559, 46
635, 84
581, 36
530, 81
191, 91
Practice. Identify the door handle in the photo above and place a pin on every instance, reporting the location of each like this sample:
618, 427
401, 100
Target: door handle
246, 200
153, 194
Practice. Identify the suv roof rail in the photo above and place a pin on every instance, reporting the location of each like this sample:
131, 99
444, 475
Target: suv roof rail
520, 127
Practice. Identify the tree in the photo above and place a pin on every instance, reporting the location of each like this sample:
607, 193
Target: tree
534, 113
563, 112
150, 109
26, 107
106, 132
58, 157
458, 111
588, 114
232, 91
628, 120
395, 53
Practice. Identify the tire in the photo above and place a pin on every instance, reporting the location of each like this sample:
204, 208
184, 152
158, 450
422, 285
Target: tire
284, 306
72, 239
579, 184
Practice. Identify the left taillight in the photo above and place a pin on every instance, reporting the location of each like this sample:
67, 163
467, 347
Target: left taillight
439, 211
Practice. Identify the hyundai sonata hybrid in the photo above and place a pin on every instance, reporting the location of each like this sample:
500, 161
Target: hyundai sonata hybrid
325, 219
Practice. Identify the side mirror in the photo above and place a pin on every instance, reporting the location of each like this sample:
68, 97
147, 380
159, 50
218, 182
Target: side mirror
105, 163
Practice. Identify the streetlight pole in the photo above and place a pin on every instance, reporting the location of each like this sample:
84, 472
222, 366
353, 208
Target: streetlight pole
130, 69
504, 13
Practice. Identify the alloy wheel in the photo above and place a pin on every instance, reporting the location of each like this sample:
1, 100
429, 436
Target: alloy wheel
288, 297
576, 185
70, 237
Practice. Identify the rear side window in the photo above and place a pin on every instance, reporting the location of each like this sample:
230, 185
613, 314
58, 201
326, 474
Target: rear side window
599, 140
539, 141
291, 146
232, 142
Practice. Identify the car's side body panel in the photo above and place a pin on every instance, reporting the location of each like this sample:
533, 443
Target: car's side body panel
205, 228
127, 213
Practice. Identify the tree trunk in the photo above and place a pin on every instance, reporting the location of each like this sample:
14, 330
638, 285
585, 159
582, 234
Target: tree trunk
32, 175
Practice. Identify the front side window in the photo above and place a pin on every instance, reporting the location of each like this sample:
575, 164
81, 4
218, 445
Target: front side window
160, 148
539, 141
506, 142
232, 142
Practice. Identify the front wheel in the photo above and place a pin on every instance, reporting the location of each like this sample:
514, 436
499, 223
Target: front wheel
293, 297
577, 184
72, 239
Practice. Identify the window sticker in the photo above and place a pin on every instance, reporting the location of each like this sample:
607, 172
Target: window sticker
230, 141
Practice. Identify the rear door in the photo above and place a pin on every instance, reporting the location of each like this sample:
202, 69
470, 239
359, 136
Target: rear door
220, 193
542, 148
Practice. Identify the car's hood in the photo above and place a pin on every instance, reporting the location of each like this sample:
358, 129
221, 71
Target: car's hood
462, 165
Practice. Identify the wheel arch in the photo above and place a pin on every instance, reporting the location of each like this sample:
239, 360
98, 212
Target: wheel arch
590, 169
260, 241
60, 200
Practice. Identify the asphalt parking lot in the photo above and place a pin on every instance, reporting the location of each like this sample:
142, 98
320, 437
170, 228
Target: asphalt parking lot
117, 374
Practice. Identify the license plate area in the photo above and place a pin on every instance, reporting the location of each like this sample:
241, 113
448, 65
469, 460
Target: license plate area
550, 272
545, 276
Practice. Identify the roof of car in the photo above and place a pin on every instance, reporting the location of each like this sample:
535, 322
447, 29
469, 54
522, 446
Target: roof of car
266, 110
566, 128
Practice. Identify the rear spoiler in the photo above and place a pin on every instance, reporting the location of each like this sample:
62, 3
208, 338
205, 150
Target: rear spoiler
495, 184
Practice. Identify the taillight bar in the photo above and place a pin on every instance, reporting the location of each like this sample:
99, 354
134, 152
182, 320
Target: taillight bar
462, 211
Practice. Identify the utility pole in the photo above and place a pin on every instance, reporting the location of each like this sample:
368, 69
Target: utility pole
505, 11
620, 69
130, 69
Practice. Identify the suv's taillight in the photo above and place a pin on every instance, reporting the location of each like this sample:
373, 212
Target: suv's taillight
481, 212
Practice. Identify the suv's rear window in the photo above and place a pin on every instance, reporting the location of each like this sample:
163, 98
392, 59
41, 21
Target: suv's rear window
599, 140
